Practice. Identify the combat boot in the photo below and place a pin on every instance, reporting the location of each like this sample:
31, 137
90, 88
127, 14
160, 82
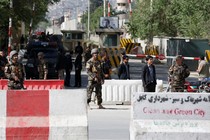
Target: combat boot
88, 107
101, 107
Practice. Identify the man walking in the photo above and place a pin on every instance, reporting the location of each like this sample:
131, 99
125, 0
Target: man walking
95, 78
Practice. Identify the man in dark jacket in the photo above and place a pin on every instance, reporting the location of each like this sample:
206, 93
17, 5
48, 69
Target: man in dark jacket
68, 68
78, 69
87, 55
149, 75
79, 49
123, 71
60, 67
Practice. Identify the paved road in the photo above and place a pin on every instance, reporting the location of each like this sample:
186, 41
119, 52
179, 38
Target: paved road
111, 123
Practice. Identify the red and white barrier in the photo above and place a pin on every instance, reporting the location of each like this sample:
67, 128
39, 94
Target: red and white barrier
161, 57
36, 84
43, 115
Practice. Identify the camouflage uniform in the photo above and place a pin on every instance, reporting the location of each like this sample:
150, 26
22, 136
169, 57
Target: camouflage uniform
95, 79
177, 77
42, 68
13, 70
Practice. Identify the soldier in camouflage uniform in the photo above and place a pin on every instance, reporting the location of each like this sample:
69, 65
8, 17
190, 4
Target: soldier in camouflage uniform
42, 66
177, 74
95, 77
14, 72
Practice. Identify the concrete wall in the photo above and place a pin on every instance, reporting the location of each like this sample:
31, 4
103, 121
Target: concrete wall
170, 116
120, 91
43, 114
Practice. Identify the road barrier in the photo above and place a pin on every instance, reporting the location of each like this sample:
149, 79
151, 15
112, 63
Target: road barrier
114, 55
161, 57
170, 116
43, 115
142, 56
37, 84
119, 91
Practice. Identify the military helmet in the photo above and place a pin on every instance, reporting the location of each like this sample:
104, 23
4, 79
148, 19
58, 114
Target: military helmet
12, 53
95, 50
40, 54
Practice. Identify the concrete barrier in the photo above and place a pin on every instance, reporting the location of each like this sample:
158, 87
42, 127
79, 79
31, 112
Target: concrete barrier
119, 91
36, 84
43, 115
171, 116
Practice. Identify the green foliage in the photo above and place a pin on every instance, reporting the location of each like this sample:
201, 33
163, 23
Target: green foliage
94, 4
21, 11
95, 18
183, 18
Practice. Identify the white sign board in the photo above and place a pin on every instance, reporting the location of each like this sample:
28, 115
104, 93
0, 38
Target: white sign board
174, 116
172, 106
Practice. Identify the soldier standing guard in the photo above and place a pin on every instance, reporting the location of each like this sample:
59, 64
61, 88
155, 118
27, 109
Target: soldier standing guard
95, 77
42, 66
177, 74
14, 72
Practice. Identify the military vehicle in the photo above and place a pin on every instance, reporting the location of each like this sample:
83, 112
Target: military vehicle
50, 50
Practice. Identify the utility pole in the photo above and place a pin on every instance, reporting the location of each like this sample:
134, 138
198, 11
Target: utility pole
104, 8
109, 9
33, 13
130, 8
89, 19
10, 29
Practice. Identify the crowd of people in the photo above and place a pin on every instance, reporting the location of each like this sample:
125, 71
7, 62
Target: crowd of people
98, 70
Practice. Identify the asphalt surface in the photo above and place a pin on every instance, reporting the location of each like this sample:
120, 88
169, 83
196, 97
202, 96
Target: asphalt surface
111, 123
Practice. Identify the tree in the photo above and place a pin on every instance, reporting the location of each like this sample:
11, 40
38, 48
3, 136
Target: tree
183, 18
21, 11
94, 4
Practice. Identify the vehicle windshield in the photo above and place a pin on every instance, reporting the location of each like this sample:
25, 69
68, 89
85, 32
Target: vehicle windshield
49, 53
